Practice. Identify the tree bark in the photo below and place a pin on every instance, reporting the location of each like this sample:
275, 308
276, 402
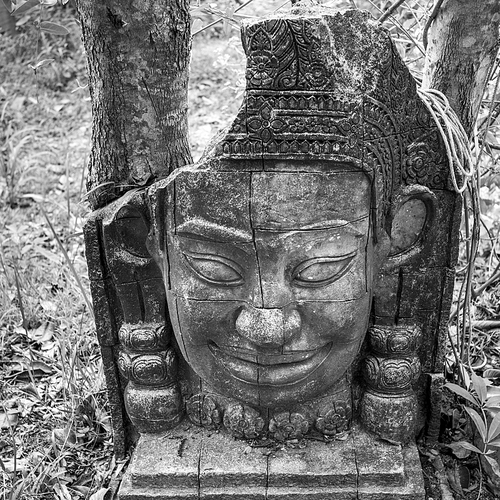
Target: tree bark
461, 50
138, 55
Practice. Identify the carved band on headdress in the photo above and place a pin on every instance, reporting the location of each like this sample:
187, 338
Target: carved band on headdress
331, 86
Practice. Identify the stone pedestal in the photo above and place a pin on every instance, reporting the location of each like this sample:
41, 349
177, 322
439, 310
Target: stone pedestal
191, 464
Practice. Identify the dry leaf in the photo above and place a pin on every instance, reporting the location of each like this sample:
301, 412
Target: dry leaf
99, 495
63, 437
36, 369
62, 492
8, 420
18, 465
44, 332
459, 451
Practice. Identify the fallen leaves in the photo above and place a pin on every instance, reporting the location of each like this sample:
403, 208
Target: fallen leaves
53, 431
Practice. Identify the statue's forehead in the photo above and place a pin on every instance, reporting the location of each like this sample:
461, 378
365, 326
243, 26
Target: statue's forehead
279, 201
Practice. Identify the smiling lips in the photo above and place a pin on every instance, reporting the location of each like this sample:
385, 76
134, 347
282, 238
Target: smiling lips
269, 369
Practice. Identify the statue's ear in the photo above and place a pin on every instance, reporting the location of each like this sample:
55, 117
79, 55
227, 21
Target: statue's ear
125, 230
411, 223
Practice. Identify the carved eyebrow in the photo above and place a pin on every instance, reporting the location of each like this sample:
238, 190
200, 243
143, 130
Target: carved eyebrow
332, 224
320, 225
203, 229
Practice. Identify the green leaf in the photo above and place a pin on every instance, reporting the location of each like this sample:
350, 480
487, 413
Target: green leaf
491, 373
462, 392
494, 465
479, 385
495, 443
478, 421
468, 446
492, 402
494, 428
24, 7
53, 28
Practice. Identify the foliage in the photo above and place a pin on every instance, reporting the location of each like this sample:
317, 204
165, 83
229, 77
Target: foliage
484, 413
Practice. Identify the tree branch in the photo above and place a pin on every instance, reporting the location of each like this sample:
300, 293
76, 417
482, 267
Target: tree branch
390, 10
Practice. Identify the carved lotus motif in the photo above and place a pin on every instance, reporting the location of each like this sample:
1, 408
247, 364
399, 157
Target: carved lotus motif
416, 164
333, 419
203, 410
243, 421
288, 425
263, 69
317, 74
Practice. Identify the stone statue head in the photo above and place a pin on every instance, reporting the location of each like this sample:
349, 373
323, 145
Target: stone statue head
307, 223
273, 246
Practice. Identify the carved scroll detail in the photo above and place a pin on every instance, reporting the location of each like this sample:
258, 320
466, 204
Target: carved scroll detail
152, 396
388, 407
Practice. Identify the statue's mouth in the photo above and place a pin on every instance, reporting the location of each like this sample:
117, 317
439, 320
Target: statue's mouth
269, 369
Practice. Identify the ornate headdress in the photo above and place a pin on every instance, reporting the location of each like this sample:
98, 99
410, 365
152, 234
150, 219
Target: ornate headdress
331, 86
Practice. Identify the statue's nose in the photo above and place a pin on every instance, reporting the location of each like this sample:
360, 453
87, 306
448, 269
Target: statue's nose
268, 327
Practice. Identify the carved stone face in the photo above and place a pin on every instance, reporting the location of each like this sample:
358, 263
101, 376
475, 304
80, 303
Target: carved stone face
270, 278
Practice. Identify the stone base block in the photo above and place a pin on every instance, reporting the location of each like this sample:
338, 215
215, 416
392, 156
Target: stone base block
193, 464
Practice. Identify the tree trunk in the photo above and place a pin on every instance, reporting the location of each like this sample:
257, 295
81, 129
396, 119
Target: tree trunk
138, 56
461, 51
462, 46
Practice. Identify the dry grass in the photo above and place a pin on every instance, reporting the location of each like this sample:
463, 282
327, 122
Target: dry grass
55, 432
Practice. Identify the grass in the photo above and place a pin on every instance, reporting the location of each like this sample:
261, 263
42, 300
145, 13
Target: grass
55, 439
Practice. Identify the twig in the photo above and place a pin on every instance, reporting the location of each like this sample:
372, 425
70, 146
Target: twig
390, 10
220, 19
68, 261
401, 28
427, 26
480, 478
494, 114
494, 278
487, 324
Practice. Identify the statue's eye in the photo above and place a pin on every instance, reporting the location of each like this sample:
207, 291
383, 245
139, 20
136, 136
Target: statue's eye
215, 269
321, 271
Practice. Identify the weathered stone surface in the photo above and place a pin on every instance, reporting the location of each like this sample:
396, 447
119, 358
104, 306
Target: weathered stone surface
213, 465
318, 465
171, 461
237, 467
378, 462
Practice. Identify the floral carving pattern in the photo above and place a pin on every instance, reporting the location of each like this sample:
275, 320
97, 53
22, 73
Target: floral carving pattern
203, 410
287, 425
333, 419
302, 103
243, 421
390, 372
143, 336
